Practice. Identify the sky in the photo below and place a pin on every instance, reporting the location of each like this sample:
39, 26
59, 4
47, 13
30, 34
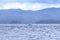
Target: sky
29, 4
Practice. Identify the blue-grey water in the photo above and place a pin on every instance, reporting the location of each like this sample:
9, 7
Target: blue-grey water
29, 31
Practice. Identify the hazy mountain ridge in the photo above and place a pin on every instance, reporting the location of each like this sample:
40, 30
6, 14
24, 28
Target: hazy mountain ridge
28, 16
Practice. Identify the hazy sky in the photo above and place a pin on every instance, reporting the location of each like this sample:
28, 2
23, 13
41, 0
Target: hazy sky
29, 4
33, 1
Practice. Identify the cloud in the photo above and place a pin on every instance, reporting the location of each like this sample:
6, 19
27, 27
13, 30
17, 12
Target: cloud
33, 1
28, 6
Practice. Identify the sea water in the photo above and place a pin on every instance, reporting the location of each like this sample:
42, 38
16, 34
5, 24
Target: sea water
29, 31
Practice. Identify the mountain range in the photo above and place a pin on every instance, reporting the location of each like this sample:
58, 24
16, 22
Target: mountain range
18, 16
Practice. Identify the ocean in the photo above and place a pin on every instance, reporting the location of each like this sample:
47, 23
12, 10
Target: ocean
29, 31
